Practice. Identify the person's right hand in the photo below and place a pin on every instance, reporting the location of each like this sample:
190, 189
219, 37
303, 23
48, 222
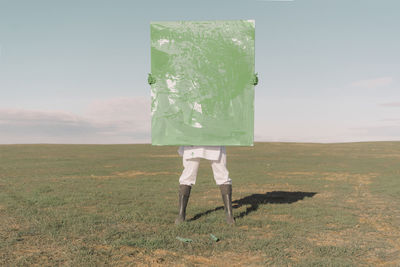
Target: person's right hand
150, 79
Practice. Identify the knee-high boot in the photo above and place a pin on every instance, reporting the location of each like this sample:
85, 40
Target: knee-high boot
226, 193
184, 193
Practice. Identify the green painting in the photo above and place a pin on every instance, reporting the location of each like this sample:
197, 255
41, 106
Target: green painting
203, 91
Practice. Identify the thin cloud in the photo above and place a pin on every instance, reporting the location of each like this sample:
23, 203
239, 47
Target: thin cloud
120, 120
391, 104
390, 120
372, 83
390, 132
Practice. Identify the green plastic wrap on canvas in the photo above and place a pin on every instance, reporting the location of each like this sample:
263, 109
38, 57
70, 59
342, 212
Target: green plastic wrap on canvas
203, 92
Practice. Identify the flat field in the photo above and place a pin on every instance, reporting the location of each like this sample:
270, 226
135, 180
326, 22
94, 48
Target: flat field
295, 204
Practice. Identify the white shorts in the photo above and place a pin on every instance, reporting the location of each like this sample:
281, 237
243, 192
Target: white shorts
191, 166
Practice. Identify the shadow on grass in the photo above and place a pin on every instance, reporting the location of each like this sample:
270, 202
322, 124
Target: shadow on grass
255, 200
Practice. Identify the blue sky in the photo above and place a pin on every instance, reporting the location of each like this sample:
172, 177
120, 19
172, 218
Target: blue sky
75, 71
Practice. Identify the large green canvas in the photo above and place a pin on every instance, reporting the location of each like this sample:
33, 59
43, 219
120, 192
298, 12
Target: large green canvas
203, 94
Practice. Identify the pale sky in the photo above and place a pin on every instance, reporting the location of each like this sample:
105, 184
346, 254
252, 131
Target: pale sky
76, 71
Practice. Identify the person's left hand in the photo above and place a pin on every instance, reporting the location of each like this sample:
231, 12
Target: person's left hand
255, 79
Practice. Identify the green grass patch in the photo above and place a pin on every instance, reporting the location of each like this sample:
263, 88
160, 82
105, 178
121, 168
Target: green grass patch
295, 205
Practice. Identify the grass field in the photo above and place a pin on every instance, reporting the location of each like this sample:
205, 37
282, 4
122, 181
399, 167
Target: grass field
295, 205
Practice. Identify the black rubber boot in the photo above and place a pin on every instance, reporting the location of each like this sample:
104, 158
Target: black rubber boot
184, 193
226, 193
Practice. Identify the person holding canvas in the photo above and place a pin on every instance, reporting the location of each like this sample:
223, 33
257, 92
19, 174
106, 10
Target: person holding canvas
202, 96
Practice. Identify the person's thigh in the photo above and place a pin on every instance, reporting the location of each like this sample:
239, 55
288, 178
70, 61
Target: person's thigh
221, 173
189, 172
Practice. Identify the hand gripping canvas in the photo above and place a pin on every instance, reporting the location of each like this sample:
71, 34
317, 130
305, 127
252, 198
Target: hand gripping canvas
203, 92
